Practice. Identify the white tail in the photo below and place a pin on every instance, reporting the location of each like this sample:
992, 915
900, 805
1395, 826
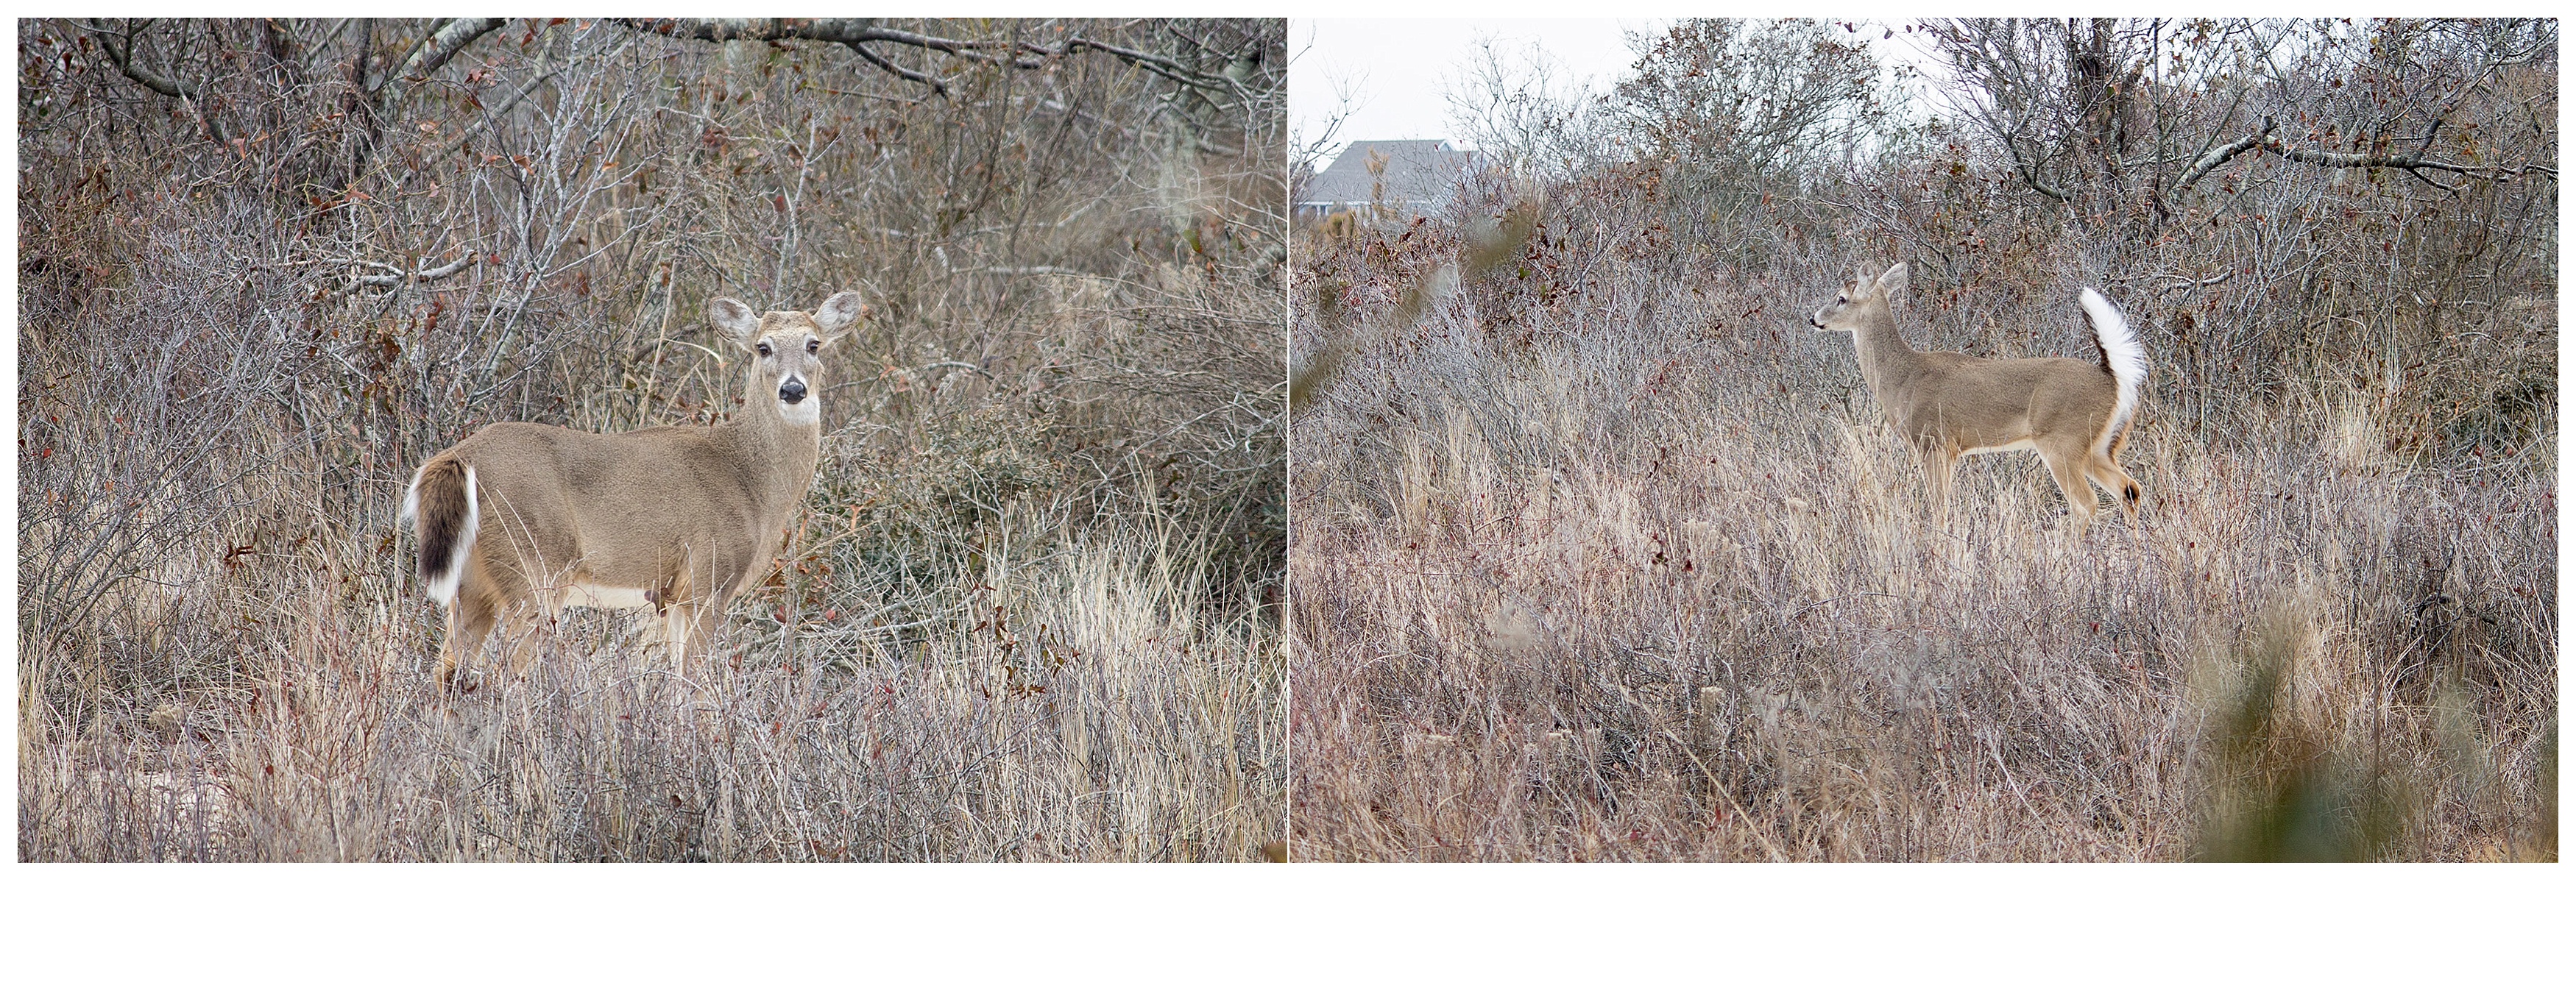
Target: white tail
1946, 405
520, 520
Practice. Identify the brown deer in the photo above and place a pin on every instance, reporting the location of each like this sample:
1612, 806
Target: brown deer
521, 520
1946, 405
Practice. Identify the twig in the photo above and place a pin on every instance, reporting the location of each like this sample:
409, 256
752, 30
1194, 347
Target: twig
1729, 796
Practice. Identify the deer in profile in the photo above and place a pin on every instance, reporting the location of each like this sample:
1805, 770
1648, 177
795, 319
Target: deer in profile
1946, 405
520, 520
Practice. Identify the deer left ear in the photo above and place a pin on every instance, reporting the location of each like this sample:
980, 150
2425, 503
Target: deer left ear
838, 313
1894, 280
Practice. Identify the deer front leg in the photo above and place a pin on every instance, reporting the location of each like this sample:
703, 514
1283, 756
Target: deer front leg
519, 638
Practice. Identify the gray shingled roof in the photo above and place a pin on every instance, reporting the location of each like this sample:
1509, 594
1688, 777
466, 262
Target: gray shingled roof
1421, 173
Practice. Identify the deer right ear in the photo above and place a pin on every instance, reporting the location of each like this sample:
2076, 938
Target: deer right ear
1894, 281
734, 318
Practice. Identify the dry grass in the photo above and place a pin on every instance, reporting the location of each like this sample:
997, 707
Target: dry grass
1076, 708
1627, 589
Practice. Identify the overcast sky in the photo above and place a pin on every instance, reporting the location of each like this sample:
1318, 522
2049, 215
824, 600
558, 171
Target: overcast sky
1396, 71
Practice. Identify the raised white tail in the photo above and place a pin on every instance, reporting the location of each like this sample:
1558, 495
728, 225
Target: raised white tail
1946, 405
2121, 354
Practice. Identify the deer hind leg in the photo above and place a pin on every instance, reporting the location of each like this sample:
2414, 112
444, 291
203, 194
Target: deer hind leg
1938, 465
2106, 471
469, 621
2070, 470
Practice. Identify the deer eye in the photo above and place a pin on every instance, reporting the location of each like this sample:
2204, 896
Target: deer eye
1839, 300
813, 346
764, 349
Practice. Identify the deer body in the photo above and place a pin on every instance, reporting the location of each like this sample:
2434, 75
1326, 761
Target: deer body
1946, 405
521, 520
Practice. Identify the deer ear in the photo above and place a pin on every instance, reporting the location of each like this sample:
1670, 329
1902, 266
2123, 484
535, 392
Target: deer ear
1894, 280
734, 318
839, 312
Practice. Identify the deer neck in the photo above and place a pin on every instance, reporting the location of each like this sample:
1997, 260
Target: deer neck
1885, 358
786, 452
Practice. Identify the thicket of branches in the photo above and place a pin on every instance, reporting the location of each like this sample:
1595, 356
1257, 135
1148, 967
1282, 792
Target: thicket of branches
1592, 386
268, 266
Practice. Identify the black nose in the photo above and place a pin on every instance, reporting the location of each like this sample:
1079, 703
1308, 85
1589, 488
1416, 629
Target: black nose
792, 392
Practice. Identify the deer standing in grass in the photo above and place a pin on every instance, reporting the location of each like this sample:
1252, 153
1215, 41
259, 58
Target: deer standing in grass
520, 520
1946, 405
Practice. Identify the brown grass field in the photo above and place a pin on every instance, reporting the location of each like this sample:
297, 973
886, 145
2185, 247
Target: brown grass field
1683, 635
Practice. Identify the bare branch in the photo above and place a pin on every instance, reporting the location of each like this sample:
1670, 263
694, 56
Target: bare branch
2030, 172
2405, 161
857, 32
1169, 69
433, 52
168, 86
888, 65
399, 276
2225, 153
123, 57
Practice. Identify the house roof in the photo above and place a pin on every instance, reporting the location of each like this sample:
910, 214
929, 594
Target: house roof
1417, 172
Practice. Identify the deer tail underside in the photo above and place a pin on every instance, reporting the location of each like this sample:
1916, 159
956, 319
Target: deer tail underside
2122, 357
446, 513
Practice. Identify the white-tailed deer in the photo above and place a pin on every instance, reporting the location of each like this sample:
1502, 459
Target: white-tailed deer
520, 520
1946, 405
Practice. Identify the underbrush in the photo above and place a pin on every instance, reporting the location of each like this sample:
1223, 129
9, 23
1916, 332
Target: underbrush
1071, 705
1644, 576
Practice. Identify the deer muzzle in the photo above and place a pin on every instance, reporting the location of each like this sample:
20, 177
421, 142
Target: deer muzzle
792, 391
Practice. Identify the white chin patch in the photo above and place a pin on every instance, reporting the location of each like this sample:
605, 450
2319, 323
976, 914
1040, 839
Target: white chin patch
806, 411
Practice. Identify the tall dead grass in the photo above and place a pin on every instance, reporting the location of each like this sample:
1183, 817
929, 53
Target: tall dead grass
1075, 705
1644, 577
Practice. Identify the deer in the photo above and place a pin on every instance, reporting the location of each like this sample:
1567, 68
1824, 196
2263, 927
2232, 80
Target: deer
1946, 405
521, 520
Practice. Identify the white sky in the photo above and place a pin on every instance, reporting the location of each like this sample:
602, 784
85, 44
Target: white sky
1396, 70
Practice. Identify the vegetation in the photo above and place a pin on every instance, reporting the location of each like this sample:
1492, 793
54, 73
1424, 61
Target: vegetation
266, 267
1600, 552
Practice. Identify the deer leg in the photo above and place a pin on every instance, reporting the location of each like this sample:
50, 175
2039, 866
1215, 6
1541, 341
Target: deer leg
2069, 471
1938, 465
675, 636
519, 638
469, 620
701, 628
2107, 472
676, 605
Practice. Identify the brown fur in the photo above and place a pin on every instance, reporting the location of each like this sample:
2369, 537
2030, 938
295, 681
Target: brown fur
676, 519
